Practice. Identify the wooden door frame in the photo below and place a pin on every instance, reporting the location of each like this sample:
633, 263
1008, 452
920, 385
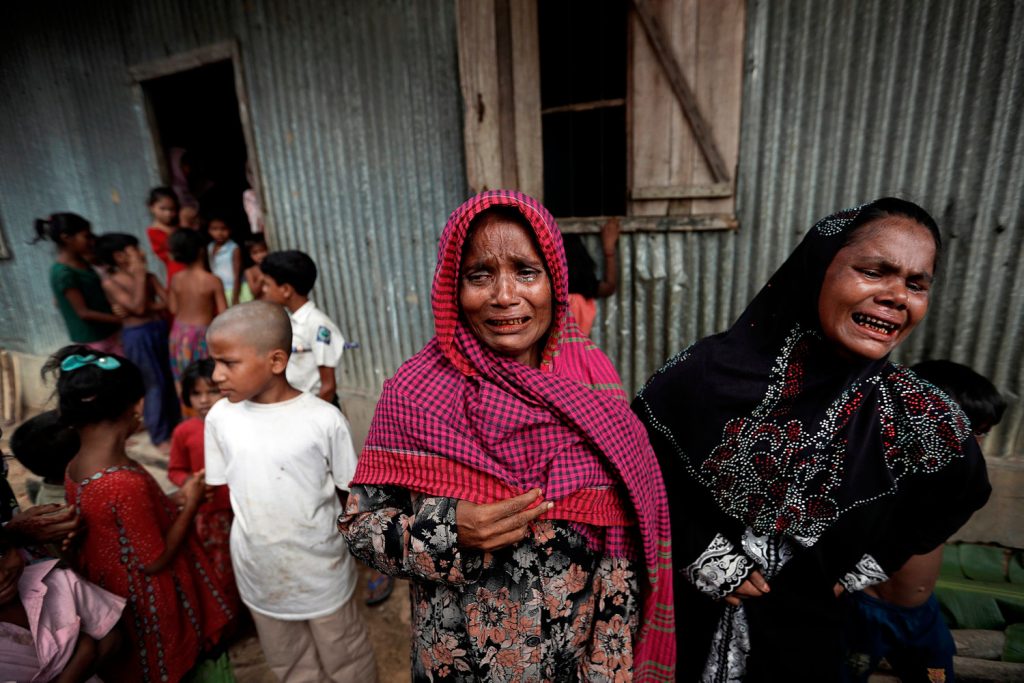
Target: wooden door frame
186, 61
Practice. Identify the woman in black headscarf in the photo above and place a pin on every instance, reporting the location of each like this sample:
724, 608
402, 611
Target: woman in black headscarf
804, 463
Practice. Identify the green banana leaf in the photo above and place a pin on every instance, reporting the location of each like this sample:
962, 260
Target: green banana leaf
1013, 650
1017, 568
979, 604
983, 562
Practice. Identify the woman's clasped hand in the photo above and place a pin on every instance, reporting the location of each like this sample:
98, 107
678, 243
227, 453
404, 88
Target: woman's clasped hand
493, 526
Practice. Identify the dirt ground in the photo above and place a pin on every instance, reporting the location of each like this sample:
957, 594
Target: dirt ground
388, 622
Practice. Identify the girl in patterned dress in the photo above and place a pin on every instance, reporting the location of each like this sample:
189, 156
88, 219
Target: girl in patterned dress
135, 541
213, 521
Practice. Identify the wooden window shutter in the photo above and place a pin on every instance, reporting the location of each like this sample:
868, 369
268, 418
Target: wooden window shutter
499, 66
685, 90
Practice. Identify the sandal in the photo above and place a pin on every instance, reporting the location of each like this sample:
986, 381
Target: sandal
379, 589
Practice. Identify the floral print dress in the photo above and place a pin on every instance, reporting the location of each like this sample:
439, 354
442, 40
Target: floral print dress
546, 609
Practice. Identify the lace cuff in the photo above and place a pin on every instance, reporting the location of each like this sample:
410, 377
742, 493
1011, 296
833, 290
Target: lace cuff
865, 573
720, 569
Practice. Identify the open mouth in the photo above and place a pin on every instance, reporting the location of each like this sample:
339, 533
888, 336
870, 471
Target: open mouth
875, 324
508, 322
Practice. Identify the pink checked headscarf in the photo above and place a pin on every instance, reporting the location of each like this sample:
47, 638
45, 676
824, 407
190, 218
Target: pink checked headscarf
460, 419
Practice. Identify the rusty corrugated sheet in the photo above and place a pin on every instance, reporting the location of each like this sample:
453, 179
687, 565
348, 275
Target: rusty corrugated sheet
845, 102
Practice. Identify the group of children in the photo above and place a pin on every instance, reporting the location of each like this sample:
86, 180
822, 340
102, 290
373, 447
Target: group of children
253, 519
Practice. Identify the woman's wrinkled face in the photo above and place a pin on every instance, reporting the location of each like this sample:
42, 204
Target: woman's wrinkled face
505, 291
876, 289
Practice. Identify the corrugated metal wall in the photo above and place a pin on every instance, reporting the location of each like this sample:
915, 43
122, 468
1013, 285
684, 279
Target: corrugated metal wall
845, 102
356, 117
355, 112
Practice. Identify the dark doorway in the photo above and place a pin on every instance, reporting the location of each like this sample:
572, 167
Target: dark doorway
199, 131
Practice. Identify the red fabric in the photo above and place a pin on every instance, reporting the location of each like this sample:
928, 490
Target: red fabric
584, 310
213, 521
158, 242
173, 614
460, 420
188, 457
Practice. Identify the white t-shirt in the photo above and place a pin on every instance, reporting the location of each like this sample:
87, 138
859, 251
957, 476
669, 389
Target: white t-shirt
282, 462
316, 343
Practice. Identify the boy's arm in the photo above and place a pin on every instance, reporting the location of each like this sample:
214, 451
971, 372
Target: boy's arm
220, 303
159, 302
328, 384
236, 266
137, 294
192, 491
172, 297
328, 345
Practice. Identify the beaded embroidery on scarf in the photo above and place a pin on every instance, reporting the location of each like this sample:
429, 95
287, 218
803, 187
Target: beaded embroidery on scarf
781, 476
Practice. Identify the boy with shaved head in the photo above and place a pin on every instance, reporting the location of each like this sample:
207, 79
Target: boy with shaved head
287, 458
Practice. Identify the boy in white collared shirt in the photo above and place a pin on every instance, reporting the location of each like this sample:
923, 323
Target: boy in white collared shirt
317, 344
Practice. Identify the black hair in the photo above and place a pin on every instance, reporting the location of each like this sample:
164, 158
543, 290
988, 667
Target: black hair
45, 445
7, 541
291, 267
111, 243
582, 269
978, 397
91, 393
186, 246
254, 240
58, 226
162, 192
893, 206
196, 370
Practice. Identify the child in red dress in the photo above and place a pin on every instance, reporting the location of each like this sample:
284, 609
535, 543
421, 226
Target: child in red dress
135, 541
163, 207
213, 521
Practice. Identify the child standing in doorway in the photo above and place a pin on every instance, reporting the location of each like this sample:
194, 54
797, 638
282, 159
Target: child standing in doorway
76, 286
138, 292
225, 259
163, 207
287, 457
195, 297
252, 288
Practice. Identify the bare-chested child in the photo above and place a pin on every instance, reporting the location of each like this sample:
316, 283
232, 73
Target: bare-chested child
900, 618
196, 297
132, 288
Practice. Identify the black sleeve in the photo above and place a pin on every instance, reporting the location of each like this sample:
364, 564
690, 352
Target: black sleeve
932, 506
706, 547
